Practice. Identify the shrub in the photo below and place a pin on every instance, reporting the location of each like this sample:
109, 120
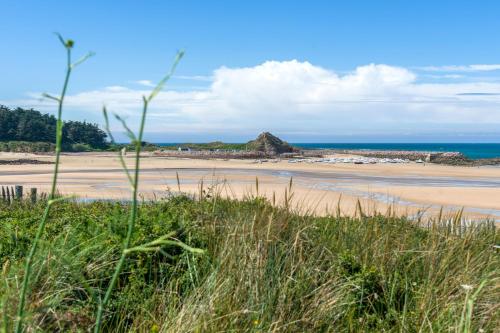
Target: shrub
80, 147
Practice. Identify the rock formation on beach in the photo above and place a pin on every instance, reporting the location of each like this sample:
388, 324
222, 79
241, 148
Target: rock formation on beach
269, 144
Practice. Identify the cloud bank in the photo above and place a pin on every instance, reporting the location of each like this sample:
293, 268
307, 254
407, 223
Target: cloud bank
466, 68
299, 99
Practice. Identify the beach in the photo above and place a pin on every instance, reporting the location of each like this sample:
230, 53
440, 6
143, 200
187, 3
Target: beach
320, 188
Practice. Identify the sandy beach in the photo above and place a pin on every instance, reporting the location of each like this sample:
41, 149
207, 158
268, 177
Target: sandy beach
320, 188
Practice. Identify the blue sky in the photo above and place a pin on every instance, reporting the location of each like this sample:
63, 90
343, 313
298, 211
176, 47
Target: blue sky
306, 70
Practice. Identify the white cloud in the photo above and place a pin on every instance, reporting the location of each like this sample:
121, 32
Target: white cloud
194, 77
298, 97
462, 68
145, 83
445, 76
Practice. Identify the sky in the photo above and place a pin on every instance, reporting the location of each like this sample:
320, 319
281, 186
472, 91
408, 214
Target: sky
308, 71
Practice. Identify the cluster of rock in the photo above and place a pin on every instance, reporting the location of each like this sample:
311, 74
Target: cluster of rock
450, 159
23, 161
412, 155
270, 145
435, 157
204, 154
352, 160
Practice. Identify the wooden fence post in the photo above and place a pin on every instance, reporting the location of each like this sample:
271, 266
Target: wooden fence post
19, 192
33, 195
4, 196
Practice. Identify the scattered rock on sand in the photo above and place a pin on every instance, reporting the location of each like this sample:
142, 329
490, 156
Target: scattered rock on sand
23, 161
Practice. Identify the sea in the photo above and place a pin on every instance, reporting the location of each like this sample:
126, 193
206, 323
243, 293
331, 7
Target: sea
471, 150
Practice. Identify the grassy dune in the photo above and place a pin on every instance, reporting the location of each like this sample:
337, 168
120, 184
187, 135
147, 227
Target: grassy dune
264, 269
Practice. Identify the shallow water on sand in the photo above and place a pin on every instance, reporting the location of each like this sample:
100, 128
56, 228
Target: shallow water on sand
342, 182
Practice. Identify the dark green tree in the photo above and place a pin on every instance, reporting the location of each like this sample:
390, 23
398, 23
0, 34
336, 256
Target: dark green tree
32, 126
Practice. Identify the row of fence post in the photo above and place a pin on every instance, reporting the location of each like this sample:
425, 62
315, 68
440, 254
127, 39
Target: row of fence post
9, 194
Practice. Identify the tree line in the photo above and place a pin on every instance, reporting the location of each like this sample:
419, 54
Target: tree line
32, 126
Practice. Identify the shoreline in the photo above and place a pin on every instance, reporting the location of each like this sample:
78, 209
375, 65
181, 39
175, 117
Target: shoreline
273, 148
407, 188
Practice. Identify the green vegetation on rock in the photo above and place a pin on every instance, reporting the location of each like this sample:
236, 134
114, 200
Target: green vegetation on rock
216, 145
269, 144
265, 143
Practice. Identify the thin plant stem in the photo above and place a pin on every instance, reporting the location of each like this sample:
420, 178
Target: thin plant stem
41, 227
135, 184
60, 125
131, 223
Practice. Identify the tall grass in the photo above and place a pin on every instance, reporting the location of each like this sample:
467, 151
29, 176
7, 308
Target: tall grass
265, 269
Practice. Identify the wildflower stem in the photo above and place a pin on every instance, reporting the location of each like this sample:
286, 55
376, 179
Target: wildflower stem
41, 226
135, 184
131, 222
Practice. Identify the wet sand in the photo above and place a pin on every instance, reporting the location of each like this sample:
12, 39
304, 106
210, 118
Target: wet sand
318, 188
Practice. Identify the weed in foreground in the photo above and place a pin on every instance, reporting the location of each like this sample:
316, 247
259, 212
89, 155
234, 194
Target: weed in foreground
68, 45
133, 178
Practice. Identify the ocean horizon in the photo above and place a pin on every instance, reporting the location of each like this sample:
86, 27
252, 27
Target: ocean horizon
471, 150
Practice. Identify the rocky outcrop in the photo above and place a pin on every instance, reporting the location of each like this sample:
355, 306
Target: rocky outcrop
269, 144
450, 158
